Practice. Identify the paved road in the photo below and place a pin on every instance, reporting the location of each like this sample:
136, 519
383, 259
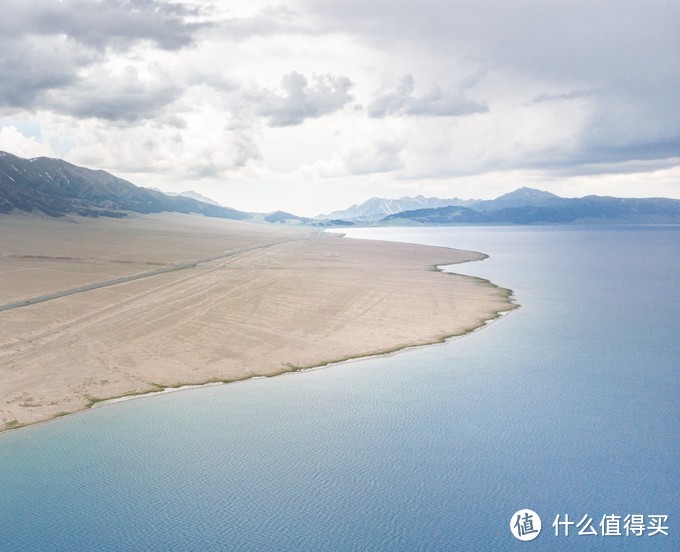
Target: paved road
124, 279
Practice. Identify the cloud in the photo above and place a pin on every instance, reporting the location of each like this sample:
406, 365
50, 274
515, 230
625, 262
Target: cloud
572, 95
15, 142
123, 98
549, 38
380, 157
32, 65
434, 103
299, 100
191, 90
64, 80
271, 20
149, 155
618, 57
47, 47
116, 23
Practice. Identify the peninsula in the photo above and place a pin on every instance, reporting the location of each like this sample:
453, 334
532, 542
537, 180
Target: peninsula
96, 308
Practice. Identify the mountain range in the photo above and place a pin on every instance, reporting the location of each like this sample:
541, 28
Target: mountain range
523, 206
378, 208
192, 195
529, 206
57, 188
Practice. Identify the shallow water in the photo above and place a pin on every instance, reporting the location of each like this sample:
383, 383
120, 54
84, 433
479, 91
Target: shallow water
568, 405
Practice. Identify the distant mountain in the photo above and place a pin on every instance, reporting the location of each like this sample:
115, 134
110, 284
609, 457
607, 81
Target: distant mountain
452, 214
288, 218
547, 209
192, 195
522, 197
57, 188
377, 208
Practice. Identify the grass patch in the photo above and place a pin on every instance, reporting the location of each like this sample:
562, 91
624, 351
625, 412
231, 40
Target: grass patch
13, 424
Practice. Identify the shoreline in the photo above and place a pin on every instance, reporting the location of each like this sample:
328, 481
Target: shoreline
164, 390
294, 306
103, 402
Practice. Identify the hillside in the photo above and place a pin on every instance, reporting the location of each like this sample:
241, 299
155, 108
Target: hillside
377, 208
57, 188
547, 209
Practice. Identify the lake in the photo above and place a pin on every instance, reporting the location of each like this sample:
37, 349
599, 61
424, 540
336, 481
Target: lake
567, 406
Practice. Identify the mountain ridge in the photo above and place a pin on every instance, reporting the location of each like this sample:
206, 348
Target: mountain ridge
56, 188
558, 210
376, 208
192, 195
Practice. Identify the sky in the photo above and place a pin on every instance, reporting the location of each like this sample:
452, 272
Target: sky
312, 105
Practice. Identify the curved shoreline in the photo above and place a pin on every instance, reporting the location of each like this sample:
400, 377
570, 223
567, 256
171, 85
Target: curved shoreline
297, 305
164, 390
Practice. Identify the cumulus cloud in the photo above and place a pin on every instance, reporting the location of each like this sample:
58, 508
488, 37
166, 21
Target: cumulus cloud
124, 97
189, 89
435, 103
15, 142
206, 149
31, 65
622, 53
298, 99
99, 24
47, 47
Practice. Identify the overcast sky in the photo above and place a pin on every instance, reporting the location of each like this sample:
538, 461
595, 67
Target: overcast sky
312, 105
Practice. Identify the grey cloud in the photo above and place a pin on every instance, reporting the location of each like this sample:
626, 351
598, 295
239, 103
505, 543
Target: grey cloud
573, 95
435, 103
238, 148
45, 45
172, 120
115, 23
638, 165
553, 38
625, 53
122, 98
243, 150
622, 128
32, 65
299, 99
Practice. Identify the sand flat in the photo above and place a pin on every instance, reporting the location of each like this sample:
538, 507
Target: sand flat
286, 298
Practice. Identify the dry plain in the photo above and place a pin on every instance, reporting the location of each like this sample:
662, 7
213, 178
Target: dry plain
263, 300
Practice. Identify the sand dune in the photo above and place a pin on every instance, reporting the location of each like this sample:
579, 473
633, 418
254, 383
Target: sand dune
282, 299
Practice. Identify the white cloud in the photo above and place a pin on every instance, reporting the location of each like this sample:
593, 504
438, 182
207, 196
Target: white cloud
434, 103
269, 20
15, 142
298, 100
377, 98
383, 156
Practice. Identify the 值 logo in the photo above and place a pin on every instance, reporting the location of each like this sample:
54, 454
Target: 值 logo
525, 525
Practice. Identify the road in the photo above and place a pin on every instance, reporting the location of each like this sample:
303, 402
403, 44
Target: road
132, 277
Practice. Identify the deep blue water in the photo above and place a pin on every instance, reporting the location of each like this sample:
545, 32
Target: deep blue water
568, 405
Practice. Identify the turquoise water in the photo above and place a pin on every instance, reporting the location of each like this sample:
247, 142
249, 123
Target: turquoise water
568, 405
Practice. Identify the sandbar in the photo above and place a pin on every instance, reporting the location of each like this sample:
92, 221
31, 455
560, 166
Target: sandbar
274, 299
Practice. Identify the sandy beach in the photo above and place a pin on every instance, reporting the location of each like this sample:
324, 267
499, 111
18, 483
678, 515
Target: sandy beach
262, 300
